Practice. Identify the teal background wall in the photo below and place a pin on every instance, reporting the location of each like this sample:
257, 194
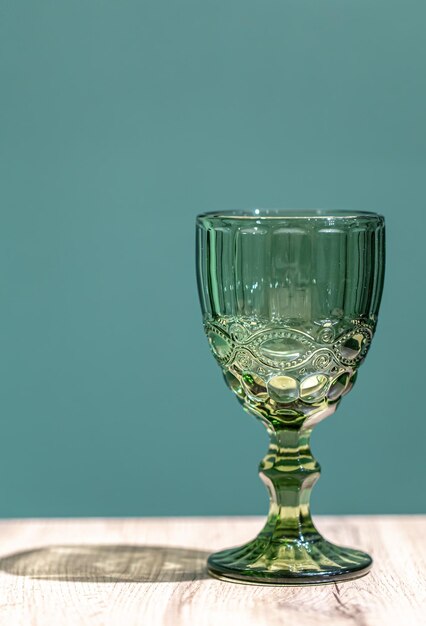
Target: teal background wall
119, 122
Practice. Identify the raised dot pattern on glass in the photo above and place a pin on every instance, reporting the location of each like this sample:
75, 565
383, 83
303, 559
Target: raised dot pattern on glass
272, 367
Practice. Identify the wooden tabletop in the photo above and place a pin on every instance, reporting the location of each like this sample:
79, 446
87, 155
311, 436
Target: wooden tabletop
149, 572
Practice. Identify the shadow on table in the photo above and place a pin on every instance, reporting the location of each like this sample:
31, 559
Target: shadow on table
108, 563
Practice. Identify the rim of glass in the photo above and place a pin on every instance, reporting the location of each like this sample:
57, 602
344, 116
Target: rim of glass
293, 214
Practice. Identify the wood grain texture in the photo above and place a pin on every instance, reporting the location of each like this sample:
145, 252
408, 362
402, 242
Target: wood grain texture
128, 572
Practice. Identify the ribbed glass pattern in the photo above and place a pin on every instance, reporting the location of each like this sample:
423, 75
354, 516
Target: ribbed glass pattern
278, 266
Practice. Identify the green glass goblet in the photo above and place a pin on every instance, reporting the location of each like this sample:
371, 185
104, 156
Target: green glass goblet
290, 303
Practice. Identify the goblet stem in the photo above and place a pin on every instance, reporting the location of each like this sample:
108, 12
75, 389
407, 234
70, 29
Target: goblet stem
289, 549
289, 472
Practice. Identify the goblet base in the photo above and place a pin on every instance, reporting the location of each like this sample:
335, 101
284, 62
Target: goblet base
289, 562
